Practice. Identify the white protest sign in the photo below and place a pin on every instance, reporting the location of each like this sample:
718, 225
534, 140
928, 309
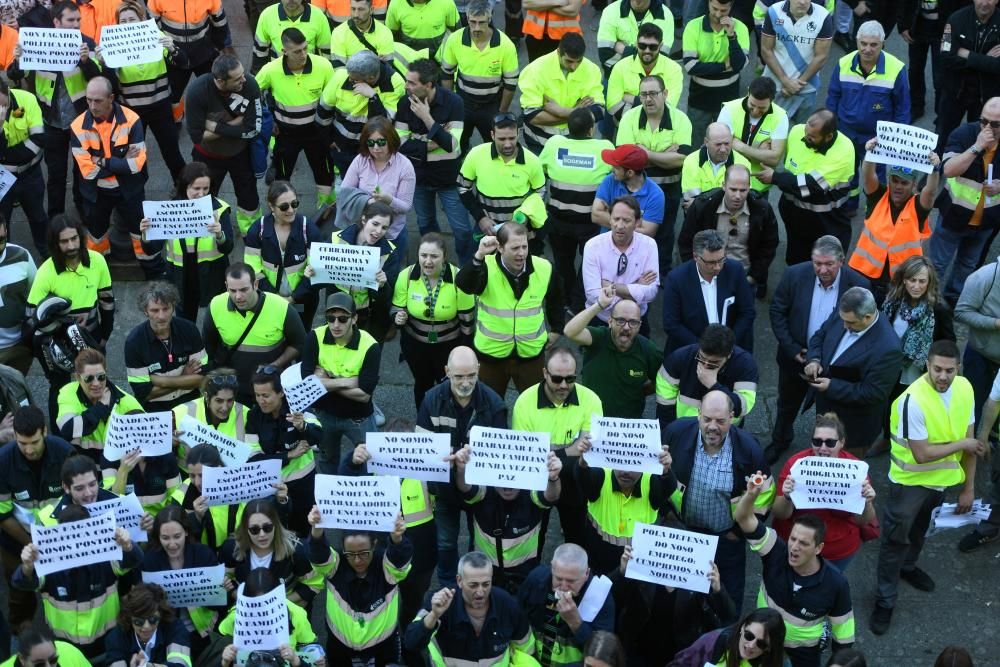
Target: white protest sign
191, 587
903, 146
240, 484
68, 545
411, 455
128, 514
130, 44
233, 452
342, 264
7, 181
365, 503
625, 444
150, 432
291, 375
49, 49
513, 459
178, 218
303, 394
822, 482
262, 621
671, 557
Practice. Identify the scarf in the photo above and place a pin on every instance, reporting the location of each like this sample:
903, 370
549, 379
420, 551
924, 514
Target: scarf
920, 330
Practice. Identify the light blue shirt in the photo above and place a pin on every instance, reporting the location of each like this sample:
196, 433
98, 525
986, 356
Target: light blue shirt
824, 302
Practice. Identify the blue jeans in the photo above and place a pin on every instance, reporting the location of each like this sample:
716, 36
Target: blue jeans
842, 563
454, 210
334, 429
447, 518
965, 246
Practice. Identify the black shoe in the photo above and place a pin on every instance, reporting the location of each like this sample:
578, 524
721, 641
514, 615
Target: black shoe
918, 579
880, 619
976, 539
843, 40
773, 452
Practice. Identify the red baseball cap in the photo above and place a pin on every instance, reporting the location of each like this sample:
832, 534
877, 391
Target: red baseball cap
626, 156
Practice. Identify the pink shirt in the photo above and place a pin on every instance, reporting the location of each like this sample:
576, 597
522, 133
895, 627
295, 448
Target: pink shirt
397, 179
600, 262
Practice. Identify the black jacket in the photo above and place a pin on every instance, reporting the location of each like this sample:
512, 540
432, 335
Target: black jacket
961, 77
762, 243
909, 13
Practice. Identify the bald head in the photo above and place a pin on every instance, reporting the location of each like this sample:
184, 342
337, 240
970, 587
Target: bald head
715, 417
736, 187
716, 401
463, 356
100, 97
719, 142
463, 372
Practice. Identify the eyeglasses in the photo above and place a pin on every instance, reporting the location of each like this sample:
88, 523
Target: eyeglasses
505, 117
622, 263
266, 527
711, 262
287, 205
100, 377
372, 143
649, 94
751, 637
626, 323
339, 319
53, 660
559, 379
223, 381
358, 555
829, 443
710, 365
994, 124
139, 621
646, 46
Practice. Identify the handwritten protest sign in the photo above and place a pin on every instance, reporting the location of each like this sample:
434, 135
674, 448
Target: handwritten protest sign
149, 432
240, 484
7, 181
178, 218
513, 459
262, 621
191, 587
303, 394
128, 514
49, 49
233, 452
366, 503
341, 264
671, 557
822, 482
130, 43
411, 455
625, 444
68, 545
903, 146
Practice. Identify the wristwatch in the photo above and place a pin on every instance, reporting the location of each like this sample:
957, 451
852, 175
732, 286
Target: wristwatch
976, 150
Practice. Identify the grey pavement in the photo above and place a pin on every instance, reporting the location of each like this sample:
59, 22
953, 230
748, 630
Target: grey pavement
965, 608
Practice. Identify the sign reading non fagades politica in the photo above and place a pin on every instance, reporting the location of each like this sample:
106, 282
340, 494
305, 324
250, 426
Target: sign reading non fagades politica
671, 557
232, 485
128, 514
903, 146
262, 621
149, 432
68, 545
178, 218
191, 587
303, 394
410, 455
513, 459
130, 43
364, 503
49, 49
193, 433
625, 444
342, 264
7, 181
822, 482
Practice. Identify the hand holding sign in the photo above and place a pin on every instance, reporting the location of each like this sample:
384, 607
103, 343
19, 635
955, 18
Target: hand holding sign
903, 146
366, 503
49, 49
303, 394
130, 43
671, 557
151, 433
506, 458
68, 545
262, 621
625, 444
828, 483
341, 264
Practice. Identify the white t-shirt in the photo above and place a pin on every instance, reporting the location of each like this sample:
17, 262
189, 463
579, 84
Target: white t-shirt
917, 427
780, 130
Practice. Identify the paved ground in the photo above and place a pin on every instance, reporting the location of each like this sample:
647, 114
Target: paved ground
964, 610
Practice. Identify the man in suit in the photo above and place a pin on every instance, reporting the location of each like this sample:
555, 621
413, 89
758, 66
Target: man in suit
854, 361
805, 298
726, 296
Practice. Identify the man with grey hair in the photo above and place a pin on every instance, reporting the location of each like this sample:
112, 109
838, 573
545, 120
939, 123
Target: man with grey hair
857, 94
804, 299
853, 363
165, 355
366, 88
726, 295
453, 633
551, 596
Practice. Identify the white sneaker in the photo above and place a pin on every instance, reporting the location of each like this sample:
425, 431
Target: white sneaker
379, 416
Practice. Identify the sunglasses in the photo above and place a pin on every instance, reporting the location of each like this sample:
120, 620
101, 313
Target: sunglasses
269, 370
734, 228
559, 379
294, 204
646, 46
372, 143
829, 443
751, 637
358, 555
100, 377
627, 323
223, 381
622, 263
505, 117
339, 319
139, 621
994, 124
266, 527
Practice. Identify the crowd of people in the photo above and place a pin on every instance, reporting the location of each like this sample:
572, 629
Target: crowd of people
639, 198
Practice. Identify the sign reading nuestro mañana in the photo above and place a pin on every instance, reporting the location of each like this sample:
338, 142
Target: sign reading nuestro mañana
342, 264
410, 455
822, 482
671, 557
130, 44
178, 218
512, 459
365, 503
49, 49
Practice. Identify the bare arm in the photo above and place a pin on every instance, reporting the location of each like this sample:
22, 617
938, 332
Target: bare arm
600, 214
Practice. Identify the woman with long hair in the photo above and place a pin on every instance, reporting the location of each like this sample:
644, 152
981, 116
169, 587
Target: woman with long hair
756, 640
149, 632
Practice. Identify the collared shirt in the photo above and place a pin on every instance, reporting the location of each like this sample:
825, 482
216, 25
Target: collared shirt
396, 179
707, 504
649, 195
795, 41
602, 259
850, 338
735, 228
710, 296
824, 302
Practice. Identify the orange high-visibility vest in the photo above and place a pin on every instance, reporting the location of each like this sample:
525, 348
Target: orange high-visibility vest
340, 10
541, 24
96, 14
881, 239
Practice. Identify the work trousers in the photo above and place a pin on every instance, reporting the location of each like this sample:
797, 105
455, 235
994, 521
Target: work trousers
791, 392
498, 373
288, 145
965, 247
478, 118
240, 172
383, 654
159, 119
700, 120
980, 370
666, 232
568, 238
426, 362
953, 112
571, 504
179, 77
27, 190
425, 206
97, 217
926, 37
514, 20
448, 513
56, 154
537, 48
905, 519
334, 430
803, 227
